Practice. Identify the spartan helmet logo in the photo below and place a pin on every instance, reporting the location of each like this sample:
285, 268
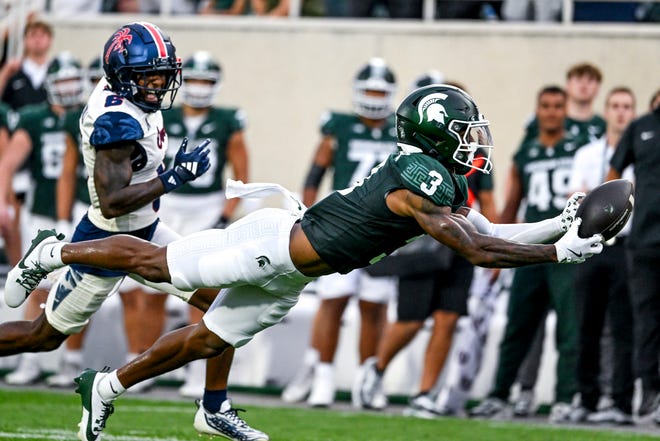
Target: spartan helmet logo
431, 106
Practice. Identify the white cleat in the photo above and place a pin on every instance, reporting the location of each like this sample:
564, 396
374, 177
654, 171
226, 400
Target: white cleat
25, 277
225, 423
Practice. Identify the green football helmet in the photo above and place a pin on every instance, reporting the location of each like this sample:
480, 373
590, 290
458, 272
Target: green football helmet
201, 66
444, 122
65, 84
375, 76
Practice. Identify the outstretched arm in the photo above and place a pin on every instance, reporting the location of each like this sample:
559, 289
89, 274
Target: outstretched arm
536, 232
456, 232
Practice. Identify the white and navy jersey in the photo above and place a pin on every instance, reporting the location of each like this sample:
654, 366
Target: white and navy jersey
109, 119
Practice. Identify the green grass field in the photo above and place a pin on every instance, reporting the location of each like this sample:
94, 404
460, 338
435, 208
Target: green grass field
33, 415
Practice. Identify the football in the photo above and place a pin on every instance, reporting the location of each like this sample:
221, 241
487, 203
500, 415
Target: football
606, 209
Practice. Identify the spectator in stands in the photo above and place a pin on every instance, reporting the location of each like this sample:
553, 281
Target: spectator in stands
640, 146
539, 175
224, 7
281, 8
535, 10
390, 8
601, 284
470, 10
351, 143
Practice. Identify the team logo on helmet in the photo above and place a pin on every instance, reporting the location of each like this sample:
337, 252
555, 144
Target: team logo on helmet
121, 36
431, 106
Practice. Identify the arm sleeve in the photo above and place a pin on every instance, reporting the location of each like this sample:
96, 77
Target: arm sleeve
536, 232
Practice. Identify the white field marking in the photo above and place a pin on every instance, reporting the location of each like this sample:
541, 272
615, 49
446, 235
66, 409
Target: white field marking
65, 435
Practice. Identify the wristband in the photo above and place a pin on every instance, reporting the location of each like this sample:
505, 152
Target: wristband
171, 180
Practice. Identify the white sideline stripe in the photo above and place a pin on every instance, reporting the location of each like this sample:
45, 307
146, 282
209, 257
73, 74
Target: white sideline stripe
65, 435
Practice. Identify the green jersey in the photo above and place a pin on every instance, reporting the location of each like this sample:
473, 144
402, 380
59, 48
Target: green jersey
358, 148
46, 133
545, 174
219, 124
4, 115
591, 129
72, 127
353, 228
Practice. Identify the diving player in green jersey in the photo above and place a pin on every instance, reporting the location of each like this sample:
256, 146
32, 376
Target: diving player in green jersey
40, 137
264, 260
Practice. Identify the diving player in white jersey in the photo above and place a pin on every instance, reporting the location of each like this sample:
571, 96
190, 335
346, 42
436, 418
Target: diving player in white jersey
124, 144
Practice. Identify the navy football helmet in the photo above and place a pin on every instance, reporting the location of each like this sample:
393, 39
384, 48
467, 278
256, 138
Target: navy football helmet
443, 121
208, 73
135, 53
374, 76
65, 84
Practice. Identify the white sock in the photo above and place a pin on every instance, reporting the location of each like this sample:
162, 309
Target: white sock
325, 371
109, 388
50, 256
311, 357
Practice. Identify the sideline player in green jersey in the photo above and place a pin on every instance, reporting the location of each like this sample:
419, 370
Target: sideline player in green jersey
539, 176
582, 85
264, 260
40, 138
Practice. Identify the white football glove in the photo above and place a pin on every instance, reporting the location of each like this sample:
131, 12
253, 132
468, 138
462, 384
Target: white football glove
566, 218
571, 248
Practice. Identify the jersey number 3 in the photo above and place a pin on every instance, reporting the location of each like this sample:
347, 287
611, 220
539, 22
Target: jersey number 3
430, 187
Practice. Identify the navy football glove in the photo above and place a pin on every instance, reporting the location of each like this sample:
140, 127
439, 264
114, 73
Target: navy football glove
187, 165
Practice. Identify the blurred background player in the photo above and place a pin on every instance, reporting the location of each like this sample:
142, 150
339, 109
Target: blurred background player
582, 85
71, 207
433, 284
40, 139
201, 204
352, 144
539, 176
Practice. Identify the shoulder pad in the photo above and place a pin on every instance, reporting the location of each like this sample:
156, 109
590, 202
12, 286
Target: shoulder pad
112, 127
426, 177
331, 121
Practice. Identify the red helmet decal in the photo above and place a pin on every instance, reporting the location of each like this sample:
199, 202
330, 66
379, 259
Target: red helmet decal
121, 36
